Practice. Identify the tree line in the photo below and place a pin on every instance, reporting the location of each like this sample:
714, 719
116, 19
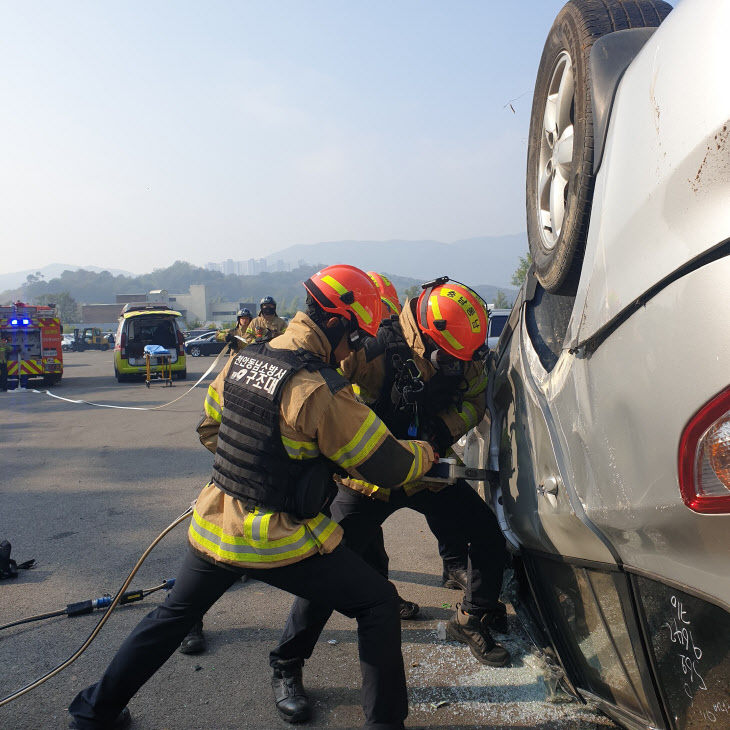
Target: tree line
73, 288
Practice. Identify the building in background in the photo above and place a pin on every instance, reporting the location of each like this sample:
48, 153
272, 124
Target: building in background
251, 267
193, 305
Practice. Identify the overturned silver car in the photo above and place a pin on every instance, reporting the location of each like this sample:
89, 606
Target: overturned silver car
609, 402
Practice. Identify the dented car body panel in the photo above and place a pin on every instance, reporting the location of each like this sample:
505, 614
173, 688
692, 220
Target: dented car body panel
590, 397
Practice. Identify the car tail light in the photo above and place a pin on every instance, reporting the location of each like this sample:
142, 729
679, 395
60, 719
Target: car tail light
180, 343
704, 458
123, 344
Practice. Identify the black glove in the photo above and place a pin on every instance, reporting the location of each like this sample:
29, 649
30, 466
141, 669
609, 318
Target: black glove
230, 336
390, 335
437, 433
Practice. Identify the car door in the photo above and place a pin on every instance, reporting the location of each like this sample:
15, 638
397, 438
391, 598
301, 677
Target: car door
583, 598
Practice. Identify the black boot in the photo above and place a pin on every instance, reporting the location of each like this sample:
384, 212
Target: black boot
121, 721
472, 631
194, 642
454, 578
496, 619
291, 698
408, 609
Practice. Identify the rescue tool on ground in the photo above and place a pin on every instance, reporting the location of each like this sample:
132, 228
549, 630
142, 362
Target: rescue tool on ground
80, 608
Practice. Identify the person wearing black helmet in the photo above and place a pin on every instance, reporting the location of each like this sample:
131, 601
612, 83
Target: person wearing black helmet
237, 335
267, 325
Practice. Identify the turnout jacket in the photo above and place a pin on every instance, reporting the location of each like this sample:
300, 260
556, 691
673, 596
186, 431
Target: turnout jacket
313, 421
263, 326
239, 332
464, 411
5, 350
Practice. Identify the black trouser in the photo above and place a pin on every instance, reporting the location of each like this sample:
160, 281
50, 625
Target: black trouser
455, 553
341, 580
455, 512
3, 375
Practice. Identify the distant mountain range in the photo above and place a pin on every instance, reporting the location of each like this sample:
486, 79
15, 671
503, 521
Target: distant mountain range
51, 271
486, 259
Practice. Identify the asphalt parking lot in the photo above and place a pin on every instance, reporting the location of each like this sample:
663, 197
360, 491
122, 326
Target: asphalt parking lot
85, 490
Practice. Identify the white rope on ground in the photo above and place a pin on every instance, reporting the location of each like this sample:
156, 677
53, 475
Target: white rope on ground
128, 408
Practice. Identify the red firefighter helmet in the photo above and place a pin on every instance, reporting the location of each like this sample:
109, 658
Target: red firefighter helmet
347, 291
454, 317
388, 294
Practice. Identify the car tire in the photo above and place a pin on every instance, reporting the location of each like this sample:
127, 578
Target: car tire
560, 150
195, 351
104, 348
182, 374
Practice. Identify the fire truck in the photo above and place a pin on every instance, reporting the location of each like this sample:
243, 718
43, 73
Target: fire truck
35, 333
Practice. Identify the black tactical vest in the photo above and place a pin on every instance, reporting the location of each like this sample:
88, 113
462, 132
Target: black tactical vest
405, 400
251, 463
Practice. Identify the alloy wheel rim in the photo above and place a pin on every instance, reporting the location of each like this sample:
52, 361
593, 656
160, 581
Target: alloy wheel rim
556, 152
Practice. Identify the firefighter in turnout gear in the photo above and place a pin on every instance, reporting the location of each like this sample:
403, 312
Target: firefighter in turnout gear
455, 553
268, 324
5, 350
236, 336
425, 375
287, 417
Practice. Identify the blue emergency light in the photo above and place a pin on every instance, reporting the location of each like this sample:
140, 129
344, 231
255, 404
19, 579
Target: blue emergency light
19, 322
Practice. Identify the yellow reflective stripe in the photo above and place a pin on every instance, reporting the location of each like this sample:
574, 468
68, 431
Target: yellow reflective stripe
246, 538
466, 306
356, 438
447, 335
477, 385
470, 418
306, 539
300, 449
247, 530
360, 453
212, 405
213, 393
211, 412
369, 488
390, 305
251, 557
326, 533
370, 445
356, 306
413, 471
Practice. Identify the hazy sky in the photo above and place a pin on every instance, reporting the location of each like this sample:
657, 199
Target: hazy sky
136, 133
